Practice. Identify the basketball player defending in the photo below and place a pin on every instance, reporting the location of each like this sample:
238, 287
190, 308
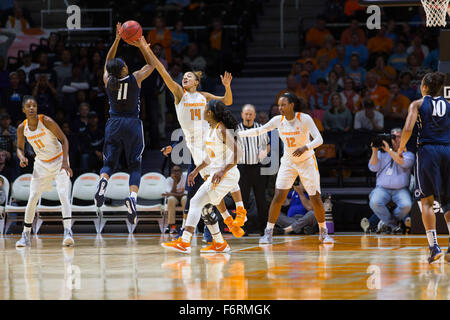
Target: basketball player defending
51, 163
190, 107
222, 156
432, 170
124, 130
294, 129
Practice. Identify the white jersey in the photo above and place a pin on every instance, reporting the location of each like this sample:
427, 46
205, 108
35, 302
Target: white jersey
190, 112
45, 144
219, 154
294, 133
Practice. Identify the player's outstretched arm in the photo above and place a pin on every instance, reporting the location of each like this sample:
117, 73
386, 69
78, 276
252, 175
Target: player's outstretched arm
227, 99
112, 52
269, 126
146, 70
411, 119
174, 87
51, 125
21, 146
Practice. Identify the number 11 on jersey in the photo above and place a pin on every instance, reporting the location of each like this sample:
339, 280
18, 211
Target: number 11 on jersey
123, 90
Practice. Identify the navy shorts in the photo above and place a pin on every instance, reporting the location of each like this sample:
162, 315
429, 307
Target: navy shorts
123, 135
432, 173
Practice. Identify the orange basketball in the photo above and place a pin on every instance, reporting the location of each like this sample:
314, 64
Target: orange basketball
130, 31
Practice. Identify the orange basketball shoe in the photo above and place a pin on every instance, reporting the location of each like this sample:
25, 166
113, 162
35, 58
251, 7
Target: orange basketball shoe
241, 213
177, 245
235, 230
217, 247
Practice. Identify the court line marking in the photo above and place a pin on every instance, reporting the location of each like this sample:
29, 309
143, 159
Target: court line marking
271, 244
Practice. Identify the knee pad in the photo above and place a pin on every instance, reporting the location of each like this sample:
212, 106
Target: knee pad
209, 216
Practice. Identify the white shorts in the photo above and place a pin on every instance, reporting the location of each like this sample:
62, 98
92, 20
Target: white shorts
307, 170
218, 192
198, 154
45, 172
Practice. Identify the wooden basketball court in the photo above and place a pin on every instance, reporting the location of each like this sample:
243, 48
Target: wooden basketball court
119, 266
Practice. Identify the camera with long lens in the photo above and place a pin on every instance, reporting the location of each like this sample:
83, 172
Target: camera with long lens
377, 141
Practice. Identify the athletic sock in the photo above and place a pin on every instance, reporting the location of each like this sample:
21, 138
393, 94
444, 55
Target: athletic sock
322, 225
270, 225
215, 232
67, 222
186, 237
184, 222
431, 236
239, 204
225, 214
133, 195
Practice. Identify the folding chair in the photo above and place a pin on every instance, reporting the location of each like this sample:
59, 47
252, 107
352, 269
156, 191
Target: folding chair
150, 199
2, 207
20, 191
84, 189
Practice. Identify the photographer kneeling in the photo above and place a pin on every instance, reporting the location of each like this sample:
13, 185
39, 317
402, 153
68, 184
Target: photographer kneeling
393, 177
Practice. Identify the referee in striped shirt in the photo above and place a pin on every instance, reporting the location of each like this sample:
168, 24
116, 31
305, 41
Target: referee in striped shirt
255, 149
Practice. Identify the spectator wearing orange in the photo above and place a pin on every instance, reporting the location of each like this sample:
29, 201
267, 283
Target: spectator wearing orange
378, 94
163, 36
354, 28
380, 43
310, 66
329, 49
316, 35
307, 54
349, 96
351, 7
291, 87
386, 74
396, 107
305, 89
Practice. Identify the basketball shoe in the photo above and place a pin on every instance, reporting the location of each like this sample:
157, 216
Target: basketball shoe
24, 241
99, 197
130, 202
217, 247
435, 253
235, 230
267, 237
177, 245
241, 214
68, 239
324, 237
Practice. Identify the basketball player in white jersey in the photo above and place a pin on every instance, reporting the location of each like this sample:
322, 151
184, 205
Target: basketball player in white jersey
295, 129
190, 106
51, 163
222, 156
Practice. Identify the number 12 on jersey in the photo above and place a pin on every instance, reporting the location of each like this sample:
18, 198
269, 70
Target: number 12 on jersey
196, 113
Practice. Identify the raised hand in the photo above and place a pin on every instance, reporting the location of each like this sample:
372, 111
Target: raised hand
226, 79
118, 26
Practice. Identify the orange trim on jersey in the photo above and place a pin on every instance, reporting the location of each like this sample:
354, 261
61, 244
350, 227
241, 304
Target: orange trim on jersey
40, 118
315, 162
218, 123
25, 122
298, 116
282, 118
54, 158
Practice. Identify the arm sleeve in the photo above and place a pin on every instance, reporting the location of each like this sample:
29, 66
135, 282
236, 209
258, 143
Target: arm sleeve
269, 126
314, 132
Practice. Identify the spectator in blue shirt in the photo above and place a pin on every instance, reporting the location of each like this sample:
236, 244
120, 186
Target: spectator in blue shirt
398, 60
356, 48
393, 178
405, 86
355, 72
432, 60
300, 216
341, 58
180, 39
321, 71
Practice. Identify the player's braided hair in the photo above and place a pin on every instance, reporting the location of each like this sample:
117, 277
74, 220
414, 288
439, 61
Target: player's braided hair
114, 68
434, 81
292, 98
222, 114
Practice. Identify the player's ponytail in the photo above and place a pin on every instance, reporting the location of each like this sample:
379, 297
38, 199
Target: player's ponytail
222, 114
434, 81
114, 68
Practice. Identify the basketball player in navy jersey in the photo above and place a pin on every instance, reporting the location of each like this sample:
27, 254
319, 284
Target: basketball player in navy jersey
124, 131
432, 170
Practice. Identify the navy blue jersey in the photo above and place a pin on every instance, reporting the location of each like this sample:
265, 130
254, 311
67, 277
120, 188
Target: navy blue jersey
433, 121
125, 101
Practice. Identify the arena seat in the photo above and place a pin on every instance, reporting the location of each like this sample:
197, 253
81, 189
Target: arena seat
83, 192
20, 191
2, 207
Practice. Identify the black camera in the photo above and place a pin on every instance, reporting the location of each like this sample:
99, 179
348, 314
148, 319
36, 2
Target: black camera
377, 141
